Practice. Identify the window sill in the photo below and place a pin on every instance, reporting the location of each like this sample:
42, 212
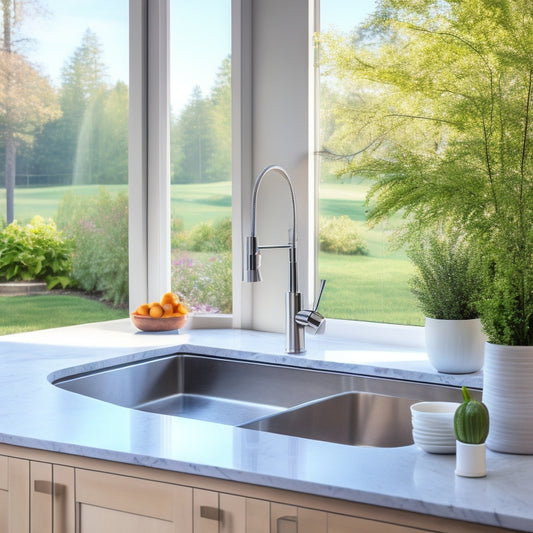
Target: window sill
365, 332
377, 333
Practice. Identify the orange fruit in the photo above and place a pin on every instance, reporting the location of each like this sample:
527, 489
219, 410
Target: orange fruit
182, 310
168, 309
156, 311
143, 310
170, 298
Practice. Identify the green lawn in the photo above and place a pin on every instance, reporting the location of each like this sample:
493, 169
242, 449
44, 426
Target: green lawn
191, 202
372, 288
29, 313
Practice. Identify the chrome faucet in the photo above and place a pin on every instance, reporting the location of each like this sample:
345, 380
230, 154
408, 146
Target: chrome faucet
296, 319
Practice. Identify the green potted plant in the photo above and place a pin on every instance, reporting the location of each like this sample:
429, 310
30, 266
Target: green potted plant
447, 285
471, 427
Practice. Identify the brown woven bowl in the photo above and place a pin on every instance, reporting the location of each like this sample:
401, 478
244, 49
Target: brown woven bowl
148, 323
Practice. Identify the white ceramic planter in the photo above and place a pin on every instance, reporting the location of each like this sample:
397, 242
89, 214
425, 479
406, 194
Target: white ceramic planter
455, 346
470, 459
508, 395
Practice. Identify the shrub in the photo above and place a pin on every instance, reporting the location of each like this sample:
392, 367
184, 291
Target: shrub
204, 237
339, 235
98, 227
204, 285
36, 251
177, 234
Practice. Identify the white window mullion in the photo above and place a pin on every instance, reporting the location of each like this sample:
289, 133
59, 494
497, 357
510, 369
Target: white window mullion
241, 118
137, 155
158, 190
149, 183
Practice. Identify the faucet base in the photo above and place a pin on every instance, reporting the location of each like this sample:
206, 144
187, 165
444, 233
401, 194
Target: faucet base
295, 335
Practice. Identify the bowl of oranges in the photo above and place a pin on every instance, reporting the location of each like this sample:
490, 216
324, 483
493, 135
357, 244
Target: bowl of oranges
167, 314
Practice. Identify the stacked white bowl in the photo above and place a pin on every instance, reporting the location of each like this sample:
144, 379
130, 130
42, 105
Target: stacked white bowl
433, 426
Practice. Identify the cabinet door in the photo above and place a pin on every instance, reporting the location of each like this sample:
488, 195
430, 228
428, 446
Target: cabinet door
226, 513
63, 499
18, 497
290, 519
206, 511
109, 503
348, 524
41, 497
51, 498
243, 515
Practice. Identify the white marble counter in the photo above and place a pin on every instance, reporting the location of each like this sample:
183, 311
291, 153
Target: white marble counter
36, 414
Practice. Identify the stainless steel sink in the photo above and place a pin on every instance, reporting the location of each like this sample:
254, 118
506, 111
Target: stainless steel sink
320, 405
356, 418
218, 390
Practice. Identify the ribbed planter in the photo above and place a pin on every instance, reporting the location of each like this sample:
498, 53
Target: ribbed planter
508, 395
455, 346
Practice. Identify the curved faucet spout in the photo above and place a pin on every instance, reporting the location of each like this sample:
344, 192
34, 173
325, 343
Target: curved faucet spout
283, 173
253, 249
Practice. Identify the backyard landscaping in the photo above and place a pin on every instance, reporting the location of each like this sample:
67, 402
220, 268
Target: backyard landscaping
371, 287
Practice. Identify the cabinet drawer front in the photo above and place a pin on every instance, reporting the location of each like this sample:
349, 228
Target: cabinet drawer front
99, 520
133, 495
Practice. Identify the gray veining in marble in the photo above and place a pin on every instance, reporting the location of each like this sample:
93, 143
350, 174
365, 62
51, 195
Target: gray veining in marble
36, 414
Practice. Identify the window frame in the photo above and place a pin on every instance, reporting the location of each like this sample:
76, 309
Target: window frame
272, 46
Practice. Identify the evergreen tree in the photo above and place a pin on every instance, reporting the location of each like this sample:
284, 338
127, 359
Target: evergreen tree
83, 81
219, 166
194, 133
201, 134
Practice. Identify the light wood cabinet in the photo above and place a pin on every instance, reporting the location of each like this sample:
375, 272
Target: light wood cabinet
107, 503
215, 512
47, 492
14, 495
35, 497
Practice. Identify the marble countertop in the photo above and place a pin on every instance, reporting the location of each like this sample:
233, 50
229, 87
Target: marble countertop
36, 414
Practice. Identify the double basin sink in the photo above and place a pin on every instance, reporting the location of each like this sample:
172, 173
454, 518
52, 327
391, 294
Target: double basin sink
321, 405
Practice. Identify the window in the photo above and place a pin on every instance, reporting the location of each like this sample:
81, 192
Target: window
200, 153
210, 50
357, 260
64, 101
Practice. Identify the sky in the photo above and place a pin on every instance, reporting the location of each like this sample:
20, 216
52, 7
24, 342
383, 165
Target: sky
202, 26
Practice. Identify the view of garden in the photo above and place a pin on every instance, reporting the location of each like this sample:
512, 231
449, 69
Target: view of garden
69, 169
403, 120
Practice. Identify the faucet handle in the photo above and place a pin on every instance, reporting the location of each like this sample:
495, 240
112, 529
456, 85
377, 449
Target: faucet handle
311, 318
320, 291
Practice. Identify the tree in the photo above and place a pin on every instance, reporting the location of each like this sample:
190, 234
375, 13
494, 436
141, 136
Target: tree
201, 134
220, 165
195, 136
102, 148
83, 81
27, 100
88, 144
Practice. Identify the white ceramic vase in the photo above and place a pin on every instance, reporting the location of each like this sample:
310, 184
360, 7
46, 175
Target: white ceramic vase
455, 346
470, 460
508, 395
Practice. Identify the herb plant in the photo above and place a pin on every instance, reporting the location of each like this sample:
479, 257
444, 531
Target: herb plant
448, 280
